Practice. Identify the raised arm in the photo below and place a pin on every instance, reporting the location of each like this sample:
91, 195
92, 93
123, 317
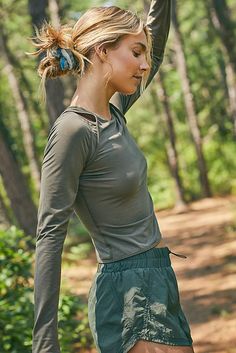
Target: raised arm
158, 21
64, 159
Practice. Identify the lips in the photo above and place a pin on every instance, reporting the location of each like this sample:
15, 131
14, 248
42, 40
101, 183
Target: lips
138, 78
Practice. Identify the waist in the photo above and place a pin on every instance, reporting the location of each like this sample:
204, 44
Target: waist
161, 244
154, 257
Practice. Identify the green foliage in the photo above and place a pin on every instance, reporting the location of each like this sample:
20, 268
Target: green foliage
16, 303
73, 324
222, 173
78, 252
78, 244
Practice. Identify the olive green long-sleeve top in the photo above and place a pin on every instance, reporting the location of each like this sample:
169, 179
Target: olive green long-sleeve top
93, 167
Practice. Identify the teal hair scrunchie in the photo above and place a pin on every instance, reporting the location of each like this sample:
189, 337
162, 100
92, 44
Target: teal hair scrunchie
66, 58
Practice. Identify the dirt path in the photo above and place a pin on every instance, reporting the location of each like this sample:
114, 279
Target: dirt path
207, 278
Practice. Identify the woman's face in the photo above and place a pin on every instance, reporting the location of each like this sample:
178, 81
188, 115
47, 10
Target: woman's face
128, 62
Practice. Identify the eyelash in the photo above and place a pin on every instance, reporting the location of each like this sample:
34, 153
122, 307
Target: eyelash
136, 54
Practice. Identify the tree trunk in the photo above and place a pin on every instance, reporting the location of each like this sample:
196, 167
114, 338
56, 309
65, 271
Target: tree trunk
231, 84
189, 103
22, 114
220, 19
226, 29
171, 144
17, 191
54, 88
54, 13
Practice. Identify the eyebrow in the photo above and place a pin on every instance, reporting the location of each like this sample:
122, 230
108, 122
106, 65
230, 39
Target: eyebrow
142, 45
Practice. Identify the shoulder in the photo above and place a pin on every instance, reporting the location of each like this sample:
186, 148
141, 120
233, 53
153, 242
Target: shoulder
70, 134
70, 142
72, 124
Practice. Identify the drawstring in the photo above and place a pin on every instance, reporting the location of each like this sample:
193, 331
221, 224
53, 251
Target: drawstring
179, 255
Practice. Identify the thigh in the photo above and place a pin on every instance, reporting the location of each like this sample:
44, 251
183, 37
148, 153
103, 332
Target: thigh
152, 347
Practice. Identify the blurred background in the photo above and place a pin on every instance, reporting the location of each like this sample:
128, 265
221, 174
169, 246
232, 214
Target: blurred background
185, 124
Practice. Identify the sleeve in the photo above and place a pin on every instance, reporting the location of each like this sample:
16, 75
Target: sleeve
65, 156
158, 21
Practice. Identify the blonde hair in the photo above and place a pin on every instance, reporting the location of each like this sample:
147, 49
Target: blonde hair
97, 26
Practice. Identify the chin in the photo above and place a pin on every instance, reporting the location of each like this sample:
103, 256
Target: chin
129, 91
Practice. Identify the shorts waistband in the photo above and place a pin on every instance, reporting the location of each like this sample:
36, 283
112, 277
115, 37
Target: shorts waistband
155, 257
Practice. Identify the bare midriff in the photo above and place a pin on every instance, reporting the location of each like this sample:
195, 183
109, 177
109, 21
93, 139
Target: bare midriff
161, 244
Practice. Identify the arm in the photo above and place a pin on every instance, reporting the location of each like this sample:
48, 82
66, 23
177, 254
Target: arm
64, 159
158, 21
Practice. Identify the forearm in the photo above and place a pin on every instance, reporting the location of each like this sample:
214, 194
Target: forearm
158, 22
46, 294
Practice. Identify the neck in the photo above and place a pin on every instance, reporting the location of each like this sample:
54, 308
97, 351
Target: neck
93, 94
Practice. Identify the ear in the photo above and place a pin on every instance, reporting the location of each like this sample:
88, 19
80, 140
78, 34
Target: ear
101, 52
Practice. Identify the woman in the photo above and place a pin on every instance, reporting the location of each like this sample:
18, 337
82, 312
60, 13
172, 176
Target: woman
93, 166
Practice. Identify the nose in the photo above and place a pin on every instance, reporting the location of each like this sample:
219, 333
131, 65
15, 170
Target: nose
144, 65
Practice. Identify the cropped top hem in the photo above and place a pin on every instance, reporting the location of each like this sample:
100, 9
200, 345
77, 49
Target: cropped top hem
133, 253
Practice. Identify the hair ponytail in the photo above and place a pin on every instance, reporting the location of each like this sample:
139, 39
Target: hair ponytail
69, 49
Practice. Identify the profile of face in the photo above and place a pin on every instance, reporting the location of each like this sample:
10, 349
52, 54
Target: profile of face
127, 63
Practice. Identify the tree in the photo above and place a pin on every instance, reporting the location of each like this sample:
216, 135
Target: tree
17, 190
224, 26
55, 105
189, 102
20, 103
171, 149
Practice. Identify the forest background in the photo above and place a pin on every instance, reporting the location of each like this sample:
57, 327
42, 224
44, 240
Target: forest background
185, 124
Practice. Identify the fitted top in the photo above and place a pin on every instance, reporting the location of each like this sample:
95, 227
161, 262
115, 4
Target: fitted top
93, 167
98, 170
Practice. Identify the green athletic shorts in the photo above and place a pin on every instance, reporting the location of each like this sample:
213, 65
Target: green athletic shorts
136, 298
